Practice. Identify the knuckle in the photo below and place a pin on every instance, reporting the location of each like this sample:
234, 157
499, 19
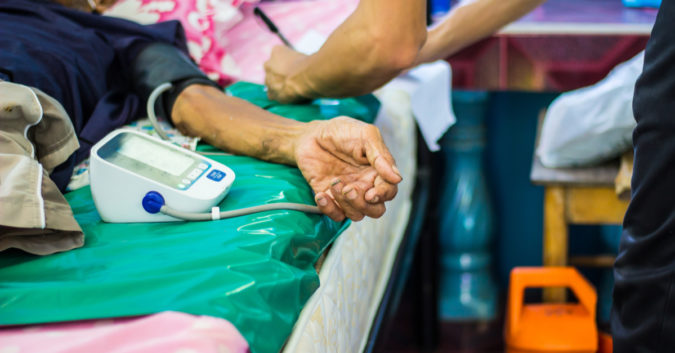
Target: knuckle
337, 217
325, 209
378, 211
341, 119
372, 130
357, 217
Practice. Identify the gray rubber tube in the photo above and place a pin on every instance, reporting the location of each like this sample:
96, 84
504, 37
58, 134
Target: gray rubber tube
150, 108
189, 216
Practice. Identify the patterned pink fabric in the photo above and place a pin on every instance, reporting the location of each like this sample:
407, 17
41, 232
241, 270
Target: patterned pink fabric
167, 332
224, 37
204, 21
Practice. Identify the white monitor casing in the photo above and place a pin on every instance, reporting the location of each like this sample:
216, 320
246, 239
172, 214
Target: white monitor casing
118, 192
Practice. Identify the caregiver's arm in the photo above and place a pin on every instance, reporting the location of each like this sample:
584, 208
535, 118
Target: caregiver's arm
376, 42
469, 23
344, 160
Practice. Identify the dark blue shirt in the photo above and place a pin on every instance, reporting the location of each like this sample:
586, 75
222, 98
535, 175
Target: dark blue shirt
83, 60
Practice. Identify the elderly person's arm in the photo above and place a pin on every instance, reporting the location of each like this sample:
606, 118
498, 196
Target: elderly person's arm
378, 41
344, 160
469, 23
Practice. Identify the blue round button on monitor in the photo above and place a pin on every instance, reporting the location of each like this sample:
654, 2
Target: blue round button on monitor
152, 202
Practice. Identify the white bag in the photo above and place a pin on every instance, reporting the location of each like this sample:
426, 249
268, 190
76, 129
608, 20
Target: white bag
591, 124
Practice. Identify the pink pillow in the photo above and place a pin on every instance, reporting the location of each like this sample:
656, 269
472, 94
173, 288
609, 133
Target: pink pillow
205, 23
167, 331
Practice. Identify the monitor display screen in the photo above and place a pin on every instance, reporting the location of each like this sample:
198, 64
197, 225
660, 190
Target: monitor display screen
152, 159
155, 155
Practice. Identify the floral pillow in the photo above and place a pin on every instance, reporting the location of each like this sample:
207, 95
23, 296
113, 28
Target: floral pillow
205, 23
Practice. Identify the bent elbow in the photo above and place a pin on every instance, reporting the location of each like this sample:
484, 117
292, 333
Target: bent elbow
404, 58
400, 53
390, 53
411, 49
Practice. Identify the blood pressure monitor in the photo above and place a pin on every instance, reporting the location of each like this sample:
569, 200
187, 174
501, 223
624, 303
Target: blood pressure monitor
128, 166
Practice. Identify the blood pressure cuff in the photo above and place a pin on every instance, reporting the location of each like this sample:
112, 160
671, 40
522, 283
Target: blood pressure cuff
159, 63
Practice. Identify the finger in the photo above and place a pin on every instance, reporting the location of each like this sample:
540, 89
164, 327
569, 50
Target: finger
328, 207
277, 48
270, 94
269, 83
351, 213
354, 196
381, 191
273, 81
379, 157
276, 89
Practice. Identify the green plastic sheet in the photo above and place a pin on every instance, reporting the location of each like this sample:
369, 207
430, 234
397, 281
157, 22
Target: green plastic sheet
255, 271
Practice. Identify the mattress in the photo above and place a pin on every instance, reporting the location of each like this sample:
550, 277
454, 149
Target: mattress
338, 316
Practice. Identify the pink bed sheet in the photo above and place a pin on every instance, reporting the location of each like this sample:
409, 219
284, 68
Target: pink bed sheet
250, 43
167, 332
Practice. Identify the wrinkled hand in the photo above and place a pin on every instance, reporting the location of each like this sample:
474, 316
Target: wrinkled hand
349, 168
282, 62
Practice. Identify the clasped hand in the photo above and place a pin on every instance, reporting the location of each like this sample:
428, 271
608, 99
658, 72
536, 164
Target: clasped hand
348, 166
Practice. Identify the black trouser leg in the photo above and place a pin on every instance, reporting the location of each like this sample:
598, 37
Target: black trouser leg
643, 314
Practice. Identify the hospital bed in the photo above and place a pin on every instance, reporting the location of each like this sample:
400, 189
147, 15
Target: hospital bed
263, 281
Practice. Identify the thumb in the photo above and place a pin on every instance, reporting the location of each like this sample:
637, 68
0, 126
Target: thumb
379, 157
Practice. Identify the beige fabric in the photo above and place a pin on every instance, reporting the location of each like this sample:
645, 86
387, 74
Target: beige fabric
36, 135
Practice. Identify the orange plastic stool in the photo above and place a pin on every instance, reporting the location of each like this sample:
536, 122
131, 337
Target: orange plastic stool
605, 344
550, 327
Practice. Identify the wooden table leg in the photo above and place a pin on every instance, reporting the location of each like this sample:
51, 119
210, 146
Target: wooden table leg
555, 237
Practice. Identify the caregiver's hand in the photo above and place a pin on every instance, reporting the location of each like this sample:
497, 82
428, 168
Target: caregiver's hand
282, 63
349, 168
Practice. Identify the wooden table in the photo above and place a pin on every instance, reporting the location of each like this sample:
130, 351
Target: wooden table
575, 196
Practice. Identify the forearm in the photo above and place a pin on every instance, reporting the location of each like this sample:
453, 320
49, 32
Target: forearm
236, 126
379, 40
344, 161
470, 23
